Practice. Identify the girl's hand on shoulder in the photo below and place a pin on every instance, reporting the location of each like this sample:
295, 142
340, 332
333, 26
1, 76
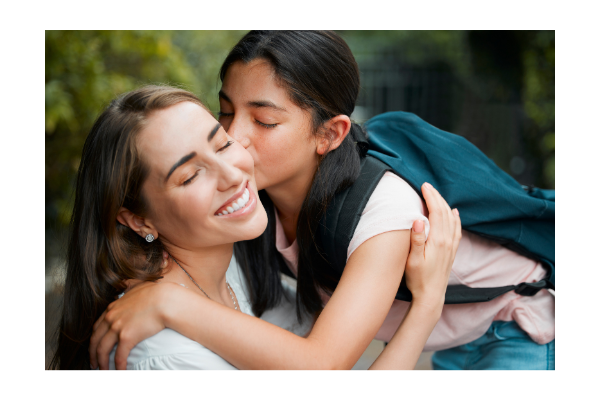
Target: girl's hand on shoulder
430, 262
136, 316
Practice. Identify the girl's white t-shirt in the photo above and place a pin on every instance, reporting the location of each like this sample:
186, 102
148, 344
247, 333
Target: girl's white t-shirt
394, 205
169, 349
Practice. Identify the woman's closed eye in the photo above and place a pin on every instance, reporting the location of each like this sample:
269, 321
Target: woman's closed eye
229, 143
190, 179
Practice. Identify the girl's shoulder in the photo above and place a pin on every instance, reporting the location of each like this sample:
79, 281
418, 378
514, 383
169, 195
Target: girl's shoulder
393, 190
394, 205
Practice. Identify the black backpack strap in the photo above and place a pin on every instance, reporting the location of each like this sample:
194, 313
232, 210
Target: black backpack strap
344, 212
461, 294
360, 137
343, 215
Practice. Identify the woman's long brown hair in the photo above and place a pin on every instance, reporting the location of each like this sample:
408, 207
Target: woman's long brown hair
102, 254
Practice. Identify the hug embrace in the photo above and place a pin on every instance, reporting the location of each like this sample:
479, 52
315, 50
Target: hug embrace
184, 224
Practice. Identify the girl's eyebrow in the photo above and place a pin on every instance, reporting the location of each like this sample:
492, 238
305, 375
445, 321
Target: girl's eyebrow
224, 96
266, 103
255, 104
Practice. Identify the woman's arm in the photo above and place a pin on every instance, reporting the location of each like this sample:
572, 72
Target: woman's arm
340, 335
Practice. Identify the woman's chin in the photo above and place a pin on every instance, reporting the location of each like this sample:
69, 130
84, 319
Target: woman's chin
257, 225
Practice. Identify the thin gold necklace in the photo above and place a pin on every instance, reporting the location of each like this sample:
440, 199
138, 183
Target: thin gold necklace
195, 283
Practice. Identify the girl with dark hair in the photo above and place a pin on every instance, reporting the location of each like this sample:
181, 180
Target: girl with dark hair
159, 174
287, 98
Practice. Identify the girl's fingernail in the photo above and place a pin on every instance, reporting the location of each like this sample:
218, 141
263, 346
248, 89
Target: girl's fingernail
418, 226
455, 211
427, 185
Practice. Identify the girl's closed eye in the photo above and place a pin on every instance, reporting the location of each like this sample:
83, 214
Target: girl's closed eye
268, 126
224, 115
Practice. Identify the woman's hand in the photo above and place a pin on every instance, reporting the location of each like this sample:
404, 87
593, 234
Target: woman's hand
127, 321
430, 262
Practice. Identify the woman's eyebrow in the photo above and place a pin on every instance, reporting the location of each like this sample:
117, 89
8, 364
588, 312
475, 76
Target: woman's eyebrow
187, 158
179, 163
213, 132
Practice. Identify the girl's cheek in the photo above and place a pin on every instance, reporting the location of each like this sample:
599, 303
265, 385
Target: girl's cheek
243, 160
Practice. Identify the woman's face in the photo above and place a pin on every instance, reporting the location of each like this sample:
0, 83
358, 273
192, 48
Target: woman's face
257, 112
196, 173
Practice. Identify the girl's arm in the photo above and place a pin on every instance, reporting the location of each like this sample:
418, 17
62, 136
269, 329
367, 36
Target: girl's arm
427, 274
342, 332
340, 335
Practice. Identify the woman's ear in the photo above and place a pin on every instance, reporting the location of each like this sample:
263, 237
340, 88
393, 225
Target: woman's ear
334, 132
136, 223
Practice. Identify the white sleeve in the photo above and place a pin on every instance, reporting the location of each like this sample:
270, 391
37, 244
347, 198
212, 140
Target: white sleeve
394, 205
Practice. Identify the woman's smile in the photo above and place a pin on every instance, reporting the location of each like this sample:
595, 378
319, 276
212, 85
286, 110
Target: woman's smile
239, 204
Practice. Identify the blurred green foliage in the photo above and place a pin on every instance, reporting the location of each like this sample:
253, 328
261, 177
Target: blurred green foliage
87, 69
538, 97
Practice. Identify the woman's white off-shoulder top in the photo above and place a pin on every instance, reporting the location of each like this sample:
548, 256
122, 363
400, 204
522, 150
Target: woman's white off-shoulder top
170, 350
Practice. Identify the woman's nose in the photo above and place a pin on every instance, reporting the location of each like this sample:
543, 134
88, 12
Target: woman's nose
229, 176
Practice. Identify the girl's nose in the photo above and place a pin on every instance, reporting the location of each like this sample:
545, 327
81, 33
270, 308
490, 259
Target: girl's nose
236, 131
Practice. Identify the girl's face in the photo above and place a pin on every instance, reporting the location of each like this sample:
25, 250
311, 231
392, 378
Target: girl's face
257, 112
196, 173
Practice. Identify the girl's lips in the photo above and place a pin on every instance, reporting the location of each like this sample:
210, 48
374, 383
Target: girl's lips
248, 208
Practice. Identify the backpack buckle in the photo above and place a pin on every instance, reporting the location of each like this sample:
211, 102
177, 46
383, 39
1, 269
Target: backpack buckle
531, 289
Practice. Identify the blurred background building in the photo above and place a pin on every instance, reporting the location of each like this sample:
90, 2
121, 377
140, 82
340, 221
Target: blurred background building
495, 88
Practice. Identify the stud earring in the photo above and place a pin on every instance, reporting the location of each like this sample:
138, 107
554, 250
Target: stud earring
149, 237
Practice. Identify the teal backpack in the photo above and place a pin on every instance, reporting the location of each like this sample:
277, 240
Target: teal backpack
491, 203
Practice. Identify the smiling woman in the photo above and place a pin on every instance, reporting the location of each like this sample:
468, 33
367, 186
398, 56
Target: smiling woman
157, 171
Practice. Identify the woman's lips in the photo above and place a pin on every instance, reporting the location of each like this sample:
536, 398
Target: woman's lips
233, 198
242, 203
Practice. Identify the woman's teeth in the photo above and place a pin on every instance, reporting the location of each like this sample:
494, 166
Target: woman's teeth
237, 204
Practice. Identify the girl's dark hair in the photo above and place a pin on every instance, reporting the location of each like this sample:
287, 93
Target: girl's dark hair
102, 253
321, 76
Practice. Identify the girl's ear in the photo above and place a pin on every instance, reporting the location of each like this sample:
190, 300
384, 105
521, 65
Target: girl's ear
136, 223
334, 132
